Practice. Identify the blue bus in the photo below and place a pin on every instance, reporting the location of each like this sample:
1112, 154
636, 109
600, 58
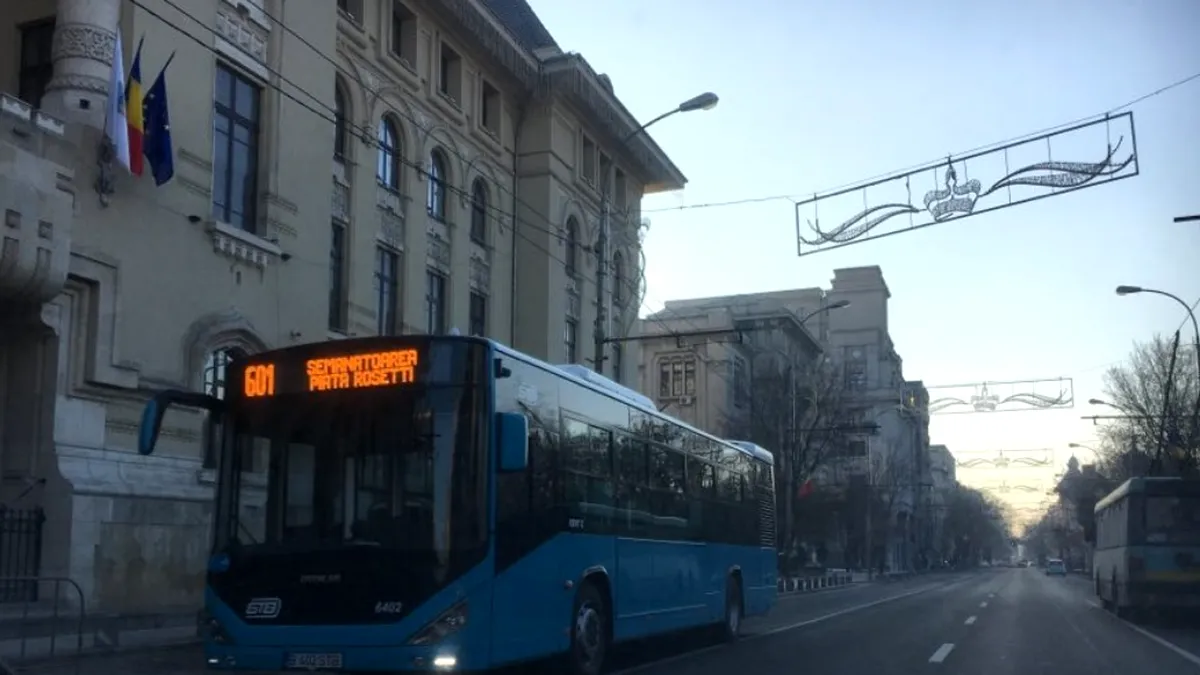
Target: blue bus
422, 503
1147, 548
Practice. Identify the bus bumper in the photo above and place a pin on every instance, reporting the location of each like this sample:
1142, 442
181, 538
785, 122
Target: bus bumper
437, 659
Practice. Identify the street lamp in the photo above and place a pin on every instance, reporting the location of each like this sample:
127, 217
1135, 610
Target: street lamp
705, 101
1131, 290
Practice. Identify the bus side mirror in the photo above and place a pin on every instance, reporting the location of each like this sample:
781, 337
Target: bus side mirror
156, 408
512, 434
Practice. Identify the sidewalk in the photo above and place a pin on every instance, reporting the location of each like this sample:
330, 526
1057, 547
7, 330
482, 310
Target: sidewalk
187, 660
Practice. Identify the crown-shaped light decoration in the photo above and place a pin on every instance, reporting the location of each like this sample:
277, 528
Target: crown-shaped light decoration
956, 200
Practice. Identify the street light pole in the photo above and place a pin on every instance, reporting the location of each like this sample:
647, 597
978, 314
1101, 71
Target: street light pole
1131, 290
705, 101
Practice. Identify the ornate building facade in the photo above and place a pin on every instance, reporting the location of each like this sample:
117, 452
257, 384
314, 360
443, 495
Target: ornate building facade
469, 157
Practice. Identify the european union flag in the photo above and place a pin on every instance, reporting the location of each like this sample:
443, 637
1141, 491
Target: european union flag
157, 143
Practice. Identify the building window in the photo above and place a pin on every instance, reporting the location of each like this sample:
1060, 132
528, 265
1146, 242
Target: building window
741, 383
676, 377
339, 122
477, 318
436, 201
620, 189
489, 109
353, 9
479, 209
337, 277
404, 34
387, 288
572, 246
588, 159
618, 276
605, 174
571, 340
618, 361
235, 149
216, 365
435, 303
387, 170
450, 74
36, 66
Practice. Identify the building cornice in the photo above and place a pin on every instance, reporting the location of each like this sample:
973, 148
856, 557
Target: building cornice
570, 77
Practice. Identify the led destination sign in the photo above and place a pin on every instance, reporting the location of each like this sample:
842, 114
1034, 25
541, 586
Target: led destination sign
333, 373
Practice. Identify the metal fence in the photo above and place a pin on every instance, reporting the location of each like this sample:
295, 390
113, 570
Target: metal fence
20, 553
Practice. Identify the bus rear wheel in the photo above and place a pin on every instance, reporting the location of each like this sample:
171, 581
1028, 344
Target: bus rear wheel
589, 631
731, 629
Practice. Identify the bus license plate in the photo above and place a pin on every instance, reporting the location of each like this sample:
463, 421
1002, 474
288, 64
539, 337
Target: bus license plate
314, 661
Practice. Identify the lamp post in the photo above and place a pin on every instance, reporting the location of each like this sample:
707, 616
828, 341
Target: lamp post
705, 101
1133, 290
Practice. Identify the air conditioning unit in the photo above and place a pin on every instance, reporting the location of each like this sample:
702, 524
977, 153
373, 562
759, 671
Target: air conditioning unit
687, 400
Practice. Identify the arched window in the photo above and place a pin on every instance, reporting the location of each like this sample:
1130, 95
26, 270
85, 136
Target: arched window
572, 245
339, 121
618, 276
479, 209
388, 170
216, 365
436, 201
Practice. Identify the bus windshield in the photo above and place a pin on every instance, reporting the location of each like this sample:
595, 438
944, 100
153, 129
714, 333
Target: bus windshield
361, 495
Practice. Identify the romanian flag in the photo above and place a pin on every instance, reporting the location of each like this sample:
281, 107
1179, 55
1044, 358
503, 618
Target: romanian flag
135, 112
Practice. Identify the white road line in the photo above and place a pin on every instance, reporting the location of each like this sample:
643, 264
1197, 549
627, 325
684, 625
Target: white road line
970, 620
983, 604
782, 629
1162, 641
942, 652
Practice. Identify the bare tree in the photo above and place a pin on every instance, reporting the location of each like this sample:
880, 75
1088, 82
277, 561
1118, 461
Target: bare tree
1138, 389
890, 474
975, 526
800, 415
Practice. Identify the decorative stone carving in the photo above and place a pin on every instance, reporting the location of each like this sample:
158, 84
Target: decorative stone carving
96, 85
339, 206
247, 35
481, 274
438, 251
83, 41
391, 229
389, 200
243, 246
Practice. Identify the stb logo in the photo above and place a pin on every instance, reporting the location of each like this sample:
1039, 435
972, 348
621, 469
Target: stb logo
263, 608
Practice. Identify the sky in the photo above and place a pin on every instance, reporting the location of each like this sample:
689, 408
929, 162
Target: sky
819, 95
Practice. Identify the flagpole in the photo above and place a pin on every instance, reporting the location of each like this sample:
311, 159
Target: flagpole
169, 60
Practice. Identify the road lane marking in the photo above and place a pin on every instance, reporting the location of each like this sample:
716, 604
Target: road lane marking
970, 620
782, 629
983, 604
1162, 641
942, 652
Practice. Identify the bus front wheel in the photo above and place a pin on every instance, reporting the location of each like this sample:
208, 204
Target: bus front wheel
732, 628
589, 631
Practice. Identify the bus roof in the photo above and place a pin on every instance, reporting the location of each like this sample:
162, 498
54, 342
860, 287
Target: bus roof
592, 380
1166, 486
756, 450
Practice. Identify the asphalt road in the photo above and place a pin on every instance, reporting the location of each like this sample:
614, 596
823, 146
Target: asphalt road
996, 622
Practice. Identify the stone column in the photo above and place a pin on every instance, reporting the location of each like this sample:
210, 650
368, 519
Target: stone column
82, 54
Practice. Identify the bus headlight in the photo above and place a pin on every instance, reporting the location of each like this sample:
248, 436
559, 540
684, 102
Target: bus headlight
446, 624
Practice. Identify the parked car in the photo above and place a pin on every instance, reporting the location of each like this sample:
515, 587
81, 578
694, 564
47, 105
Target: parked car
1056, 567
